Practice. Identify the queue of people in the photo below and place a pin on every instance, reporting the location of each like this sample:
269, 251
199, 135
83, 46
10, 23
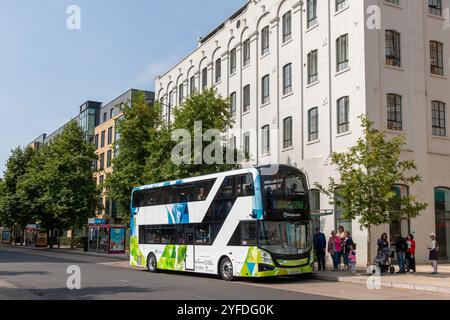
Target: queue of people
342, 249
405, 250
340, 246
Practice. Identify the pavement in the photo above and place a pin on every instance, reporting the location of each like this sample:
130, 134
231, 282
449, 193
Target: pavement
41, 274
421, 280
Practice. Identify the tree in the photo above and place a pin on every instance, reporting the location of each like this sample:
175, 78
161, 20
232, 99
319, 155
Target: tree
14, 211
212, 112
138, 126
145, 144
368, 171
59, 184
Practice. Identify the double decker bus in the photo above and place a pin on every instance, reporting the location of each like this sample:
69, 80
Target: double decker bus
242, 223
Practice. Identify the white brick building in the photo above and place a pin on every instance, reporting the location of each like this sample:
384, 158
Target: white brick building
302, 72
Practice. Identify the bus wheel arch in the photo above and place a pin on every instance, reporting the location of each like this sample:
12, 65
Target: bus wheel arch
225, 268
152, 263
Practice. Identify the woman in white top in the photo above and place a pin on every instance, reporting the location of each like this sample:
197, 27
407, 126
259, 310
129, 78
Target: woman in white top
433, 248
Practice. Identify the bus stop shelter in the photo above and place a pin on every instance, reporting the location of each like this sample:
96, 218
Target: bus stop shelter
106, 238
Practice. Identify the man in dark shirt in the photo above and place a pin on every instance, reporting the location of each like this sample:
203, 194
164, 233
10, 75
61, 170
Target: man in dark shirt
400, 248
320, 245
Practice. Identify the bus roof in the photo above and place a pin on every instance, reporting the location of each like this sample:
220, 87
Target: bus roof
206, 177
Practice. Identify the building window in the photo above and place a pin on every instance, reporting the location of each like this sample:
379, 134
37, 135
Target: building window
108, 158
342, 52
96, 141
218, 70
102, 162
287, 132
265, 40
437, 58
192, 85
110, 135
105, 116
204, 79
233, 105
247, 146
439, 119
180, 94
396, 2
435, 7
287, 26
265, 90
246, 106
393, 51
313, 75
233, 61
340, 5
343, 123
400, 223
287, 79
111, 113
394, 109
246, 52
442, 211
102, 139
101, 180
312, 13
313, 124
265, 139
340, 220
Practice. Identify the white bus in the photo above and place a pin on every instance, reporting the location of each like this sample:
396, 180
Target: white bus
235, 224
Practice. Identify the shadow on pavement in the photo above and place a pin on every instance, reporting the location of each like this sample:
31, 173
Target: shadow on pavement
18, 273
66, 294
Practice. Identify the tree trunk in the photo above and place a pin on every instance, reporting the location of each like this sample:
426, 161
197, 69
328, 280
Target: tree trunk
369, 251
59, 239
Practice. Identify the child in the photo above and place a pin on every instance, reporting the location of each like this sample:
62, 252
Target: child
352, 259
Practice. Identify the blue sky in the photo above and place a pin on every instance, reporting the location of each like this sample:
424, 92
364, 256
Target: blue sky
47, 71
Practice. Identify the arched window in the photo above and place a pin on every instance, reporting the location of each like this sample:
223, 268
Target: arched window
442, 208
399, 226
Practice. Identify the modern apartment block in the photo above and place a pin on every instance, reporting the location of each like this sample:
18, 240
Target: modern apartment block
105, 135
98, 121
299, 75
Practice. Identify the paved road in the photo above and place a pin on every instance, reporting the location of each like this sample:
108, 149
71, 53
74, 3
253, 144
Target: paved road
35, 274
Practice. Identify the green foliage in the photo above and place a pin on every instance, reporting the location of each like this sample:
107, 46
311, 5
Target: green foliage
214, 113
367, 173
138, 126
57, 185
12, 210
145, 143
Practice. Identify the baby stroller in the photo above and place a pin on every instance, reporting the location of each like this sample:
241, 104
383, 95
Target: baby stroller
383, 260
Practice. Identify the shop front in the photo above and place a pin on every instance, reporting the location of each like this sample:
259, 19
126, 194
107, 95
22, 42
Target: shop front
106, 238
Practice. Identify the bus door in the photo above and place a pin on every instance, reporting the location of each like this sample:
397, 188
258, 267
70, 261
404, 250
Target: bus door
190, 251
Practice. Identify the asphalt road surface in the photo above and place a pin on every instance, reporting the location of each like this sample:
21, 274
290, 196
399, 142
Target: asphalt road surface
42, 275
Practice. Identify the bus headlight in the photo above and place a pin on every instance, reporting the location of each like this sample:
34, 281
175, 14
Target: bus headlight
265, 267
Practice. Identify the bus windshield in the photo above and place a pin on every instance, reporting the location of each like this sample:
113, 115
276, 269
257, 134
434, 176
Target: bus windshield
285, 191
284, 237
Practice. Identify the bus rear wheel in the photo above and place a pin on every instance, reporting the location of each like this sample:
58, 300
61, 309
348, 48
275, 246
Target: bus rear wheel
152, 263
226, 269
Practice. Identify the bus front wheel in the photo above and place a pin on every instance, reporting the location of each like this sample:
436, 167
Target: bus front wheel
226, 269
152, 263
